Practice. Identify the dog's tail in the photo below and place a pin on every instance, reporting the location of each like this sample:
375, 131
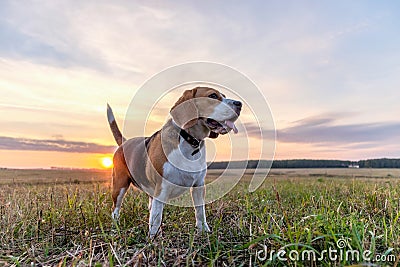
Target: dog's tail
114, 127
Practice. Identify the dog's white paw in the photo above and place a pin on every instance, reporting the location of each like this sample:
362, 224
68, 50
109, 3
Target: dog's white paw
153, 233
115, 215
203, 227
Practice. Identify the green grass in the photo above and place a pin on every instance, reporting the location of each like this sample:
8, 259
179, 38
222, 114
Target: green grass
68, 222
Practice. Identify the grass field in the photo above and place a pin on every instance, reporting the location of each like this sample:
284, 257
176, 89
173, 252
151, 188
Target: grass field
62, 218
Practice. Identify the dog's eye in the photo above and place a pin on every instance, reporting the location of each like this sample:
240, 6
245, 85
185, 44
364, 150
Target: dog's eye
213, 95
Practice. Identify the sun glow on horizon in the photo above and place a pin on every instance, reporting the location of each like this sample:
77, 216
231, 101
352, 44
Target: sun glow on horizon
107, 162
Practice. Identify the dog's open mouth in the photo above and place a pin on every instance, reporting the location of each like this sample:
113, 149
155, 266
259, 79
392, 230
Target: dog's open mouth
221, 127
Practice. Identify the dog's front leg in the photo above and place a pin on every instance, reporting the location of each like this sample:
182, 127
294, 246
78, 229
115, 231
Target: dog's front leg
155, 217
198, 194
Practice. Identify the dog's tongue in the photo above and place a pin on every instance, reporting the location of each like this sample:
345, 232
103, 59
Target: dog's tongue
232, 125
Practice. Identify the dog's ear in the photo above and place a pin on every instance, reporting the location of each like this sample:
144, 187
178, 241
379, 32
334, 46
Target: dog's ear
185, 112
213, 135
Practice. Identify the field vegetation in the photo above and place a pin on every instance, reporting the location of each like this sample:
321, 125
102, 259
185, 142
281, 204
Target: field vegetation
62, 218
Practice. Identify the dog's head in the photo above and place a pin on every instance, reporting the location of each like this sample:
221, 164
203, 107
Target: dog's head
217, 112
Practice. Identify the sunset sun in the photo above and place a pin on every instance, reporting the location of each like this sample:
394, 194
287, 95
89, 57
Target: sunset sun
107, 162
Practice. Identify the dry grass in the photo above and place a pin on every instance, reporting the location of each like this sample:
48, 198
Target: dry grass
54, 176
62, 218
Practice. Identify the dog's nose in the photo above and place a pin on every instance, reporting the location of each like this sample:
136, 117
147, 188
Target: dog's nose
237, 103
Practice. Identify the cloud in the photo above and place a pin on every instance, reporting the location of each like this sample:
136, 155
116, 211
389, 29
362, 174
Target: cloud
253, 130
11, 143
142, 39
325, 130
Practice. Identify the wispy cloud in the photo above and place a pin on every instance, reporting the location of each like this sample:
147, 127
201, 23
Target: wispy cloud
254, 130
326, 130
11, 143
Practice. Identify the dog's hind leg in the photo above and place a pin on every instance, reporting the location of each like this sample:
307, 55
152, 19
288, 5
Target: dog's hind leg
120, 186
121, 180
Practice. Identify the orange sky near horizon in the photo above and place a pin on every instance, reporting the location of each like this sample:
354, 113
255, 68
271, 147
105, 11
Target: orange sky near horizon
48, 159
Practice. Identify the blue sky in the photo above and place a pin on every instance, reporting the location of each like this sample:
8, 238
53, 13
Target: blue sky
329, 69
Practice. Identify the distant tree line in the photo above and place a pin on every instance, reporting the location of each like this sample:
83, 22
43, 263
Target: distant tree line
379, 163
307, 163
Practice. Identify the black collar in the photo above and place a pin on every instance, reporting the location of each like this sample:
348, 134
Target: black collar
193, 141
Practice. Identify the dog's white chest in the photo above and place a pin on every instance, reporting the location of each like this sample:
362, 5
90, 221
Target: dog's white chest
177, 181
183, 177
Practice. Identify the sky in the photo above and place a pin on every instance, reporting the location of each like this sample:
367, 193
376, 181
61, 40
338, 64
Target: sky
328, 69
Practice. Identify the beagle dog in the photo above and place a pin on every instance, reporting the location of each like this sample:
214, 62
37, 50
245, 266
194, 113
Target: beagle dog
173, 159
